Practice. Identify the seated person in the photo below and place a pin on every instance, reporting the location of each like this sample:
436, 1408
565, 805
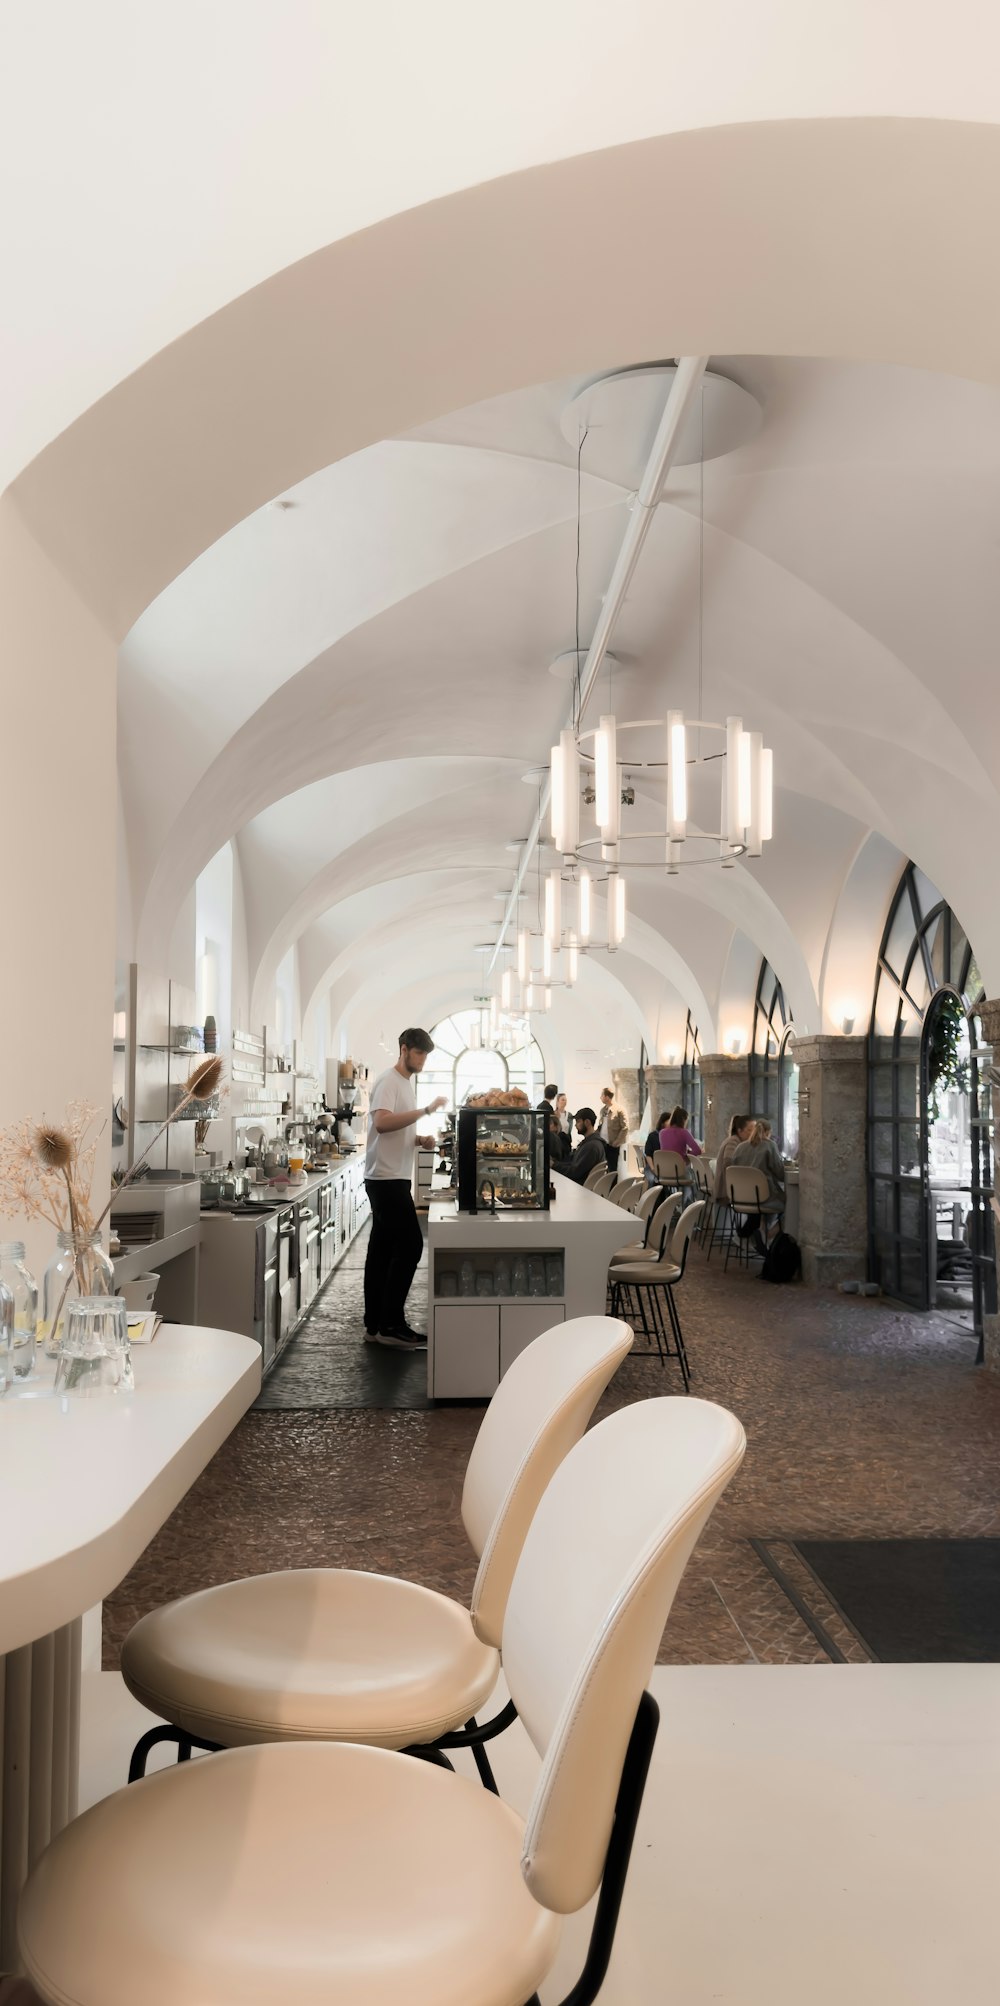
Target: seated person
676, 1135
759, 1153
651, 1145
589, 1152
741, 1129
559, 1143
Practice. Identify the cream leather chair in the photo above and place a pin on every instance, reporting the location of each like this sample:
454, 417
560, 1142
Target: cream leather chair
605, 1184
749, 1194
333, 1654
643, 1288
325, 1875
659, 1220
670, 1166
628, 1193
594, 1176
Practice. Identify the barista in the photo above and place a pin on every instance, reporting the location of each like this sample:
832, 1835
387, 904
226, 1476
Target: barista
396, 1241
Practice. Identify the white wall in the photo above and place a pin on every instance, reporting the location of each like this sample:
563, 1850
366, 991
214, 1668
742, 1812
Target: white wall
58, 855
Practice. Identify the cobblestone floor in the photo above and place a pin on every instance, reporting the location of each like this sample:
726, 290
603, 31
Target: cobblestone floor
861, 1419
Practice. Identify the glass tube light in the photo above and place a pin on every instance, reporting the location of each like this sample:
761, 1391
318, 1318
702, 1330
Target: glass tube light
766, 794
547, 958
553, 908
744, 784
523, 954
506, 988
756, 753
584, 904
572, 961
616, 911
607, 803
677, 788
731, 799
566, 794
529, 997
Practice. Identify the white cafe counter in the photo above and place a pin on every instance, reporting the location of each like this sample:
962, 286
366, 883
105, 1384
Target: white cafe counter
473, 1338
84, 1485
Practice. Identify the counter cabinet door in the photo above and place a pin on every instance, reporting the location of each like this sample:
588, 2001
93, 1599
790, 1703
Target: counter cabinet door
521, 1323
466, 1362
270, 1331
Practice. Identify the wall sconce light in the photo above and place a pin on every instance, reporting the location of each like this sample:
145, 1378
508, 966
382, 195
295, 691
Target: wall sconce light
847, 1026
733, 1042
848, 1017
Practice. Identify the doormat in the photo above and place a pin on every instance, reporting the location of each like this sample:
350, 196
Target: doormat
894, 1601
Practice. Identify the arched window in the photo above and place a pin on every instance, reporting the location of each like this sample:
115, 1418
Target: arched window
692, 1096
930, 1151
459, 1065
771, 1019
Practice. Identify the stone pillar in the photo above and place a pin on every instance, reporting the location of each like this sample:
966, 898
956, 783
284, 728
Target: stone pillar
627, 1084
663, 1085
833, 1175
989, 1017
726, 1082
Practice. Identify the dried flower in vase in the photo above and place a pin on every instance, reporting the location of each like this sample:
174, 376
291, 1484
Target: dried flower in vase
46, 1171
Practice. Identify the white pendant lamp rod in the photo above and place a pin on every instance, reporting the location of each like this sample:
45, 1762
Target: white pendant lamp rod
686, 383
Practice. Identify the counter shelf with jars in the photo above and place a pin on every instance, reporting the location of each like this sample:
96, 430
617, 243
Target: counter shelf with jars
498, 1280
503, 1159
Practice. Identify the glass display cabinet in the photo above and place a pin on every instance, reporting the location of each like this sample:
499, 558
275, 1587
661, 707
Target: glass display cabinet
503, 1160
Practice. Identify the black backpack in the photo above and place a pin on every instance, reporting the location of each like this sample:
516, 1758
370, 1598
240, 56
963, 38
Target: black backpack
783, 1260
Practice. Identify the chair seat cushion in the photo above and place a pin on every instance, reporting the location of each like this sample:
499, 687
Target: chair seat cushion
305, 1875
652, 1274
634, 1250
316, 1653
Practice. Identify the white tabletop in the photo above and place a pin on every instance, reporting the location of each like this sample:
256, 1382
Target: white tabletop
85, 1483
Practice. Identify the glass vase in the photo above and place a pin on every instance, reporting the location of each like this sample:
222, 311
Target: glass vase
6, 1339
79, 1267
15, 1277
94, 1355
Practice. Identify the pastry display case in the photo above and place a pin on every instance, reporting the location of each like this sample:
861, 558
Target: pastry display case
503, 1159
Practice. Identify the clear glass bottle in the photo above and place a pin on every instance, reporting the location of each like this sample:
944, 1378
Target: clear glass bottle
77, 1268
16, 1277
6, 1339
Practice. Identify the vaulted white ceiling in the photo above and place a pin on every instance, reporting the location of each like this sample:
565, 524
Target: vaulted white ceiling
353, 686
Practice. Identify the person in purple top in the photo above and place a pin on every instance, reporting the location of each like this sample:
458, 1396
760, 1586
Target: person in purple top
678, 1137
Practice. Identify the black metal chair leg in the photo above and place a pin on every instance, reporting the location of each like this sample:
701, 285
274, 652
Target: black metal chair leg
482, 1762
152, 1738
609, 1901
426, 1752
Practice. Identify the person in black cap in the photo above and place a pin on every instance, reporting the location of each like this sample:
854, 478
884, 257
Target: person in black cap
589, 1152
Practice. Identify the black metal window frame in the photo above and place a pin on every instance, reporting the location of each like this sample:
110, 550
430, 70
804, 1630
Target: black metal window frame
769, 1035
692, 1087
937, 962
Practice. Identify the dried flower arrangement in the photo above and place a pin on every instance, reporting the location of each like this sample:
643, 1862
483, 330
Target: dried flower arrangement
47, 1171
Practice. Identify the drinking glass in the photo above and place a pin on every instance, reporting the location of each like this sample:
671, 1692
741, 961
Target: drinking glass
17, 1278
94, 1355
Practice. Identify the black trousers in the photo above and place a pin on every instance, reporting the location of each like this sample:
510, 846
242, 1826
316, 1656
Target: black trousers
394, 1249
612, 1152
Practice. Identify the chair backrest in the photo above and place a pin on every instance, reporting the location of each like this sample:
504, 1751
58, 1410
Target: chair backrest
605, 1185
627, 1192
746, 1186
680, 1238
702, 1173
540, 1408
660, 1225
648, 1202
639, 1158
670, 1166
598, 1572
594, 1176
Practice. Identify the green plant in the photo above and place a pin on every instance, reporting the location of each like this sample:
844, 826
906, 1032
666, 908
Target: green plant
948, 1069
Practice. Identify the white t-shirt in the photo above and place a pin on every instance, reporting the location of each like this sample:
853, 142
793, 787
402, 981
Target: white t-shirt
391, 1154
